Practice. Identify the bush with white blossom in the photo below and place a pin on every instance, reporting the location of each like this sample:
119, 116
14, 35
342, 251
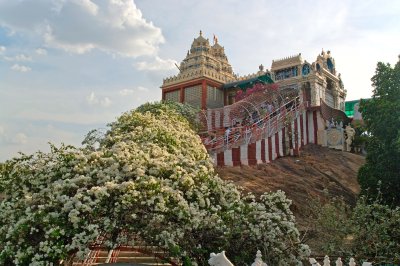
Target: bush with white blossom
149, 177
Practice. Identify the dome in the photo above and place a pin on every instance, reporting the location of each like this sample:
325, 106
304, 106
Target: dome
200, 44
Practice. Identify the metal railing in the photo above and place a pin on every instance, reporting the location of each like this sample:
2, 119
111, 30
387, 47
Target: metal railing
261, 128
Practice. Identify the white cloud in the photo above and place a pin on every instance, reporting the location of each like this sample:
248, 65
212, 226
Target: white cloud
19, 58
156, 64
115, 26
20, 68
20, 138
2, 49
92, 99
126, 92
41, 51
140, 88
105, 102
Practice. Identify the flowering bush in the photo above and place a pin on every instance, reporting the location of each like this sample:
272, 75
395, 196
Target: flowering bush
149, 177
258, 87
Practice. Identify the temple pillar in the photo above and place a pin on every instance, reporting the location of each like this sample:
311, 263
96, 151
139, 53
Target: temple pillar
203, 94
181, 94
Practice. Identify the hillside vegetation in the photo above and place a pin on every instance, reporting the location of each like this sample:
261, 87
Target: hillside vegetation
317, 174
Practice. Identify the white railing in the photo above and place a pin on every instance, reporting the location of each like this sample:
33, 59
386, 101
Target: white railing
338, 262
220, 259
262, 128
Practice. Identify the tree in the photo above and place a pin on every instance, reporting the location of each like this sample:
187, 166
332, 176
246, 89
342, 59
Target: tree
148, 177
382, 120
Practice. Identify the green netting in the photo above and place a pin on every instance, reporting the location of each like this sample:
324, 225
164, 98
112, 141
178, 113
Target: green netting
349, 107
248, 83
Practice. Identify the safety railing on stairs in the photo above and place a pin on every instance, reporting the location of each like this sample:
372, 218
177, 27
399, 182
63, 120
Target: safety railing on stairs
260, 128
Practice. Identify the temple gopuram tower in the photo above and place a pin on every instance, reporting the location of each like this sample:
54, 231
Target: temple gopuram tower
201, 76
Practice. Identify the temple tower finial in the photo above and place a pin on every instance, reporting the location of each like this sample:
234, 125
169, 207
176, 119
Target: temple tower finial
201, 33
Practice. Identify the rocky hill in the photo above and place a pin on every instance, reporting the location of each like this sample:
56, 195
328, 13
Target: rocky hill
318, 173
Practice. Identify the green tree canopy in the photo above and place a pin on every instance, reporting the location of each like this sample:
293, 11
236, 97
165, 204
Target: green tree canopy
382, 119
149, 177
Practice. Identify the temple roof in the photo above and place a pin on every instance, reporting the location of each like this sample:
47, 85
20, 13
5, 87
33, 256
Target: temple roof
244, 84
286, 62
201, 59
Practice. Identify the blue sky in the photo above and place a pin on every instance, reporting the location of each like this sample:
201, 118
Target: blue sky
68, 66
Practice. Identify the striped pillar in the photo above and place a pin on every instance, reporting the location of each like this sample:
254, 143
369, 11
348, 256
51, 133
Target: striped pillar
310, 127
304, 127
259, 151
251, 153
228, 158
298, 132
220, 159
270, 158
315, 123
236, 156
244, 154
293, 136
273, 147
280, 143
301, 130
284, 141
264, 150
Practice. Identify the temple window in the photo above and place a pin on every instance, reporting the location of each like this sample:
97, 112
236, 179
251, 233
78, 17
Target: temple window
306, 69
172, 96
193, 96
286, 73
331, 67
215, 97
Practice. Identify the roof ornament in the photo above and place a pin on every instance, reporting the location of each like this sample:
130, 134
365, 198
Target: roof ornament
261, 67
215, 39
201, 33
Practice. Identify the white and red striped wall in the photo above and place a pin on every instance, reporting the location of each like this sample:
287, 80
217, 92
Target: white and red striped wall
303, 130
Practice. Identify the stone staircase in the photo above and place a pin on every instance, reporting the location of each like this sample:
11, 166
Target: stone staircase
127, 255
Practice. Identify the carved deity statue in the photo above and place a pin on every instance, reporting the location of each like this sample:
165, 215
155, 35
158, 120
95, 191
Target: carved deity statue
258, 261
219, 260
357, 115
350, 133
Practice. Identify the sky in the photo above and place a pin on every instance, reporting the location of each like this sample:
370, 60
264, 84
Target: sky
69, 66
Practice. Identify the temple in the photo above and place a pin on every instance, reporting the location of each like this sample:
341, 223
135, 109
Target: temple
206, 79
257, 118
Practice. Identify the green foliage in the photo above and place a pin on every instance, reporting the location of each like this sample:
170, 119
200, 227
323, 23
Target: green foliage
330, 226
376, 230
370, 230
361, 136
149, 177
382, 120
